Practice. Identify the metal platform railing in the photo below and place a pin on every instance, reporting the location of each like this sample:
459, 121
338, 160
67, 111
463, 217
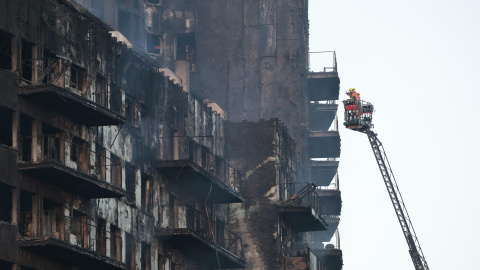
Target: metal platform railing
209, 229
185, 148
307, 197
78, 232
37, 149
313, 262
323, 56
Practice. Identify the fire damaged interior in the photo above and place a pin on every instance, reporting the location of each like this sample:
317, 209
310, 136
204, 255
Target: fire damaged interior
165, 135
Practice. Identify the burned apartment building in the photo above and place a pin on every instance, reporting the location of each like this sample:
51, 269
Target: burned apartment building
132, 137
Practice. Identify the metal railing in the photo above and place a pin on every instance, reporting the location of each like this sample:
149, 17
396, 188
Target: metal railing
208, 229
54, 72
185, 148
36, 149
313, 262
335, 185
78, 232
332, 68
307, 196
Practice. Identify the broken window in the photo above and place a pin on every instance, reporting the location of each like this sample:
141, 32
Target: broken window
130, 183
153, 44
52, 142
115, 99
101, 90
78, 78
5, 203
53, 219
147, 191
125, 24
146, 259
100, 162
115, 171
80, 154
115, 243
27, 60
185, 49
26, 137
50, 67
79, 230
26, 215
129, 252
5, 51
6, 121
101, 236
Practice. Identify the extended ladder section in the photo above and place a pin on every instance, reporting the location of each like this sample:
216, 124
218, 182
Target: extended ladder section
358, 117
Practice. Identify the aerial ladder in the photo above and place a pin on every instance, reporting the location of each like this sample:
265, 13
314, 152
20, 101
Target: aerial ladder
358, 117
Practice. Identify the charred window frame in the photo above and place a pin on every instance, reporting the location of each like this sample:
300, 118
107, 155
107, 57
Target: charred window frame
101, 90
78, 78
80, 154
115, 171
153, 44
100, 162
115, 243
130, 182
26, 206
79, 228
147, 193
5, 51
27, 60
26, 134
146, 259
6, 125
101, 236
6, 203
185, 49
129, 252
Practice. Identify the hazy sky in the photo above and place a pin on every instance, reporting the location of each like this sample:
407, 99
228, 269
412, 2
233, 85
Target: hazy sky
418, 62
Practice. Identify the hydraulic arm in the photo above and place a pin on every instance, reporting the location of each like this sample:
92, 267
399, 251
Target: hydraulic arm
358, 117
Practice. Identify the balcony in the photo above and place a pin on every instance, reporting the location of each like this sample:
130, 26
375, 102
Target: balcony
303, 258
323, 171
326, 235
204, 239
330, 254
304, 210
197, 169
332, 197
321, 115
84, 98
68, 165
324, 144
324, 85
72, 241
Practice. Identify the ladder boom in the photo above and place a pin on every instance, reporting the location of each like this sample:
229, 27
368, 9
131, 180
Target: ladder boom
395, 196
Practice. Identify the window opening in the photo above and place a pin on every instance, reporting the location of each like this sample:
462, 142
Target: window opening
129, 251
6, 203
26, 58
6, 125
115, 243
153, 44
125, 23
79, 153
26, 137
101, 239
26, 206
146, 259
5, 51
79, 229
115, 171
147, 193
78, 78
186, 49
130, 183
100, 162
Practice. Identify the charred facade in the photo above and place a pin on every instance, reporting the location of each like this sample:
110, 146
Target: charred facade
132, 137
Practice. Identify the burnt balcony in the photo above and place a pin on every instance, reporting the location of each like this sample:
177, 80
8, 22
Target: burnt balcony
324, 144
304, 210
87, 99
75, 242
303, 258
330, 253
204, 239
196, 169
323, 171
332, 197
324, 85
322, 114
326, 235
69, 165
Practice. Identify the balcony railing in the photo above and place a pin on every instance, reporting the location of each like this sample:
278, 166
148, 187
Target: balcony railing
185, 148
49, 148
78, 81
308, 197
322, 57
209, 229
76, 232
312, 260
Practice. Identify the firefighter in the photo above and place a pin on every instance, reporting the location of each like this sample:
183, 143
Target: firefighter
353, 103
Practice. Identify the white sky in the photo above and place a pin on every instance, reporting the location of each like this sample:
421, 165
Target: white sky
418, 62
